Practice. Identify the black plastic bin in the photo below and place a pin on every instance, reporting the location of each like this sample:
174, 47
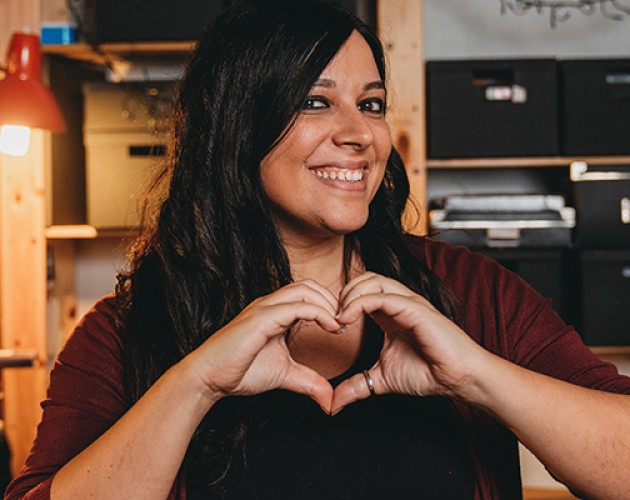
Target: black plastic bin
605, 294
595, 107
602, 202
492, 108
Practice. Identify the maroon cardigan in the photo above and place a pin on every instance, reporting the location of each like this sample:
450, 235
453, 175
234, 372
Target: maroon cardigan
499, 310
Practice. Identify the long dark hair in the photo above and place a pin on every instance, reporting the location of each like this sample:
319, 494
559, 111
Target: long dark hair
211, 247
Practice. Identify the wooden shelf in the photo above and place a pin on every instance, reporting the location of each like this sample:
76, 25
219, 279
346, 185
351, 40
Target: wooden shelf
85, 232
610, 350
16, 358
108, 52
524, 162
547, 494
71, 232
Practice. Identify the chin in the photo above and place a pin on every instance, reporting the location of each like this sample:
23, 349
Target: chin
346, 226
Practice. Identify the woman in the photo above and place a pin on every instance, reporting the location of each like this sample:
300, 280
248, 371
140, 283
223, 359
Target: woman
275, 275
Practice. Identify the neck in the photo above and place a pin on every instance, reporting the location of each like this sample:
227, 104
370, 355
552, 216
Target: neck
322, 260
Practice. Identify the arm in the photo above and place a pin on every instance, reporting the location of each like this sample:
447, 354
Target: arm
140, 455
582, 435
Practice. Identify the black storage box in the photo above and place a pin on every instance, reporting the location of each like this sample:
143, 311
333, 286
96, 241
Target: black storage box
605, 301
492, 108
167, 20
602, 201
595, 107
153, 20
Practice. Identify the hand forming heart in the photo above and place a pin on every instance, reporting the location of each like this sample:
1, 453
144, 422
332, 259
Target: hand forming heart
423, 351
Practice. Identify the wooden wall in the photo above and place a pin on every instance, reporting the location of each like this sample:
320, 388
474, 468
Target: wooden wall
22, 261
400, 29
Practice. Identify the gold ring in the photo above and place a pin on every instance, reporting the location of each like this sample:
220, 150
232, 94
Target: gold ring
369, 381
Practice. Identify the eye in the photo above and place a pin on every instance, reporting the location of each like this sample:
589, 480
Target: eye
313, 103
374, 105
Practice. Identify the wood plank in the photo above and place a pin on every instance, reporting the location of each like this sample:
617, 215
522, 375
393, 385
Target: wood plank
23, 291
400, 25
108, 52
71, 232
22, 262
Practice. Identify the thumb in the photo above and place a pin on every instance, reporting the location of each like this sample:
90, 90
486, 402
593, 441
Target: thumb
354, 389
304, 380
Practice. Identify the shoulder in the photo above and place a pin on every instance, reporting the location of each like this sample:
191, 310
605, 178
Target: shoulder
89, 367
100, 327
498, 308
461, 269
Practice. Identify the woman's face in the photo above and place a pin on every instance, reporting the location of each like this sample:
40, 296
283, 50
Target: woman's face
323, 175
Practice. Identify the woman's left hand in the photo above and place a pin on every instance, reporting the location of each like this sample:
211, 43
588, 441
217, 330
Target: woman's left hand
424, 353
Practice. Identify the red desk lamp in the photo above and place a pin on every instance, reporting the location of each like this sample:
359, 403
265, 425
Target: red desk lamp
25, 102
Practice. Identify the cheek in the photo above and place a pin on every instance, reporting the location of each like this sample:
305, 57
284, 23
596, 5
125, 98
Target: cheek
382, 141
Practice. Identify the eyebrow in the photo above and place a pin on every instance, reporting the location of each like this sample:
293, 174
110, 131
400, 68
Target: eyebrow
330, 84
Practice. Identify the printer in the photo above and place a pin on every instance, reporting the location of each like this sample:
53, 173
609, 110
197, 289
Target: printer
503, 221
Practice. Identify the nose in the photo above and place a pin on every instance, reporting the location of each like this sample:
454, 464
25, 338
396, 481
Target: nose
353, 130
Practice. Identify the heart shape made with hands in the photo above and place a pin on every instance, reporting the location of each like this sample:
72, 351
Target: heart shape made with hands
423, 351
361, 385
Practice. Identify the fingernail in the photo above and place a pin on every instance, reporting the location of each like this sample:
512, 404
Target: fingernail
343, 329
335, 412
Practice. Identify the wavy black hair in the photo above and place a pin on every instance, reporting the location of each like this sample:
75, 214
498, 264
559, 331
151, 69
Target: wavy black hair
211, 246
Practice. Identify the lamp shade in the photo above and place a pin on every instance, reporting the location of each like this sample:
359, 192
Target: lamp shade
24, 99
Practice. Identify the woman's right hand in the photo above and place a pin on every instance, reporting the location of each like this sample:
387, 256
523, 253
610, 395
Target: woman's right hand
249, 355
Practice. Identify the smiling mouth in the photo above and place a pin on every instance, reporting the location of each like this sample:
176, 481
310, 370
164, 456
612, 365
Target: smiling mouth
340, 174
351, 172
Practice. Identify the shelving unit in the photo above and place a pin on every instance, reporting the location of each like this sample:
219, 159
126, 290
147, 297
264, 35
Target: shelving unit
103, 53
551, 161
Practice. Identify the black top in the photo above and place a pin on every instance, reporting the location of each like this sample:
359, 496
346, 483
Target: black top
389, 446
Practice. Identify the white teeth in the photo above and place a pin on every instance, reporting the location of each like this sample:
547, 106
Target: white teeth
341, 175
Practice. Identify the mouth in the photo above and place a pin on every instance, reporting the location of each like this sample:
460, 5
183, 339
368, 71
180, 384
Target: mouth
347, 173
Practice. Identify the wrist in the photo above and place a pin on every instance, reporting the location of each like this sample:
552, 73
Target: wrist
187, 374
471, 384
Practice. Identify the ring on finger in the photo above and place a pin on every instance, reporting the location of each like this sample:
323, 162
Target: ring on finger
369, 381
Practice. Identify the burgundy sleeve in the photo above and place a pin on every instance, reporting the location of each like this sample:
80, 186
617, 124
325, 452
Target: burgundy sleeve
508, 317
84, 398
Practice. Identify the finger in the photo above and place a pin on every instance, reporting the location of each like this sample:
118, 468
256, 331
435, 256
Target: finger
304, 380
355, 389
352, 284
390, 304
305, 291
372, 284
325, 292
279, 318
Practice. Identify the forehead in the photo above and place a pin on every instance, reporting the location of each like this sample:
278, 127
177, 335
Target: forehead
354, 58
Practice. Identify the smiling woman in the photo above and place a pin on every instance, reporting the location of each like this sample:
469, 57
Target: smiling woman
277, 335
341, 136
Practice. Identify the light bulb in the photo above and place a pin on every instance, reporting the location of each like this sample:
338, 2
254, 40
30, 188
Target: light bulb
14, 139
